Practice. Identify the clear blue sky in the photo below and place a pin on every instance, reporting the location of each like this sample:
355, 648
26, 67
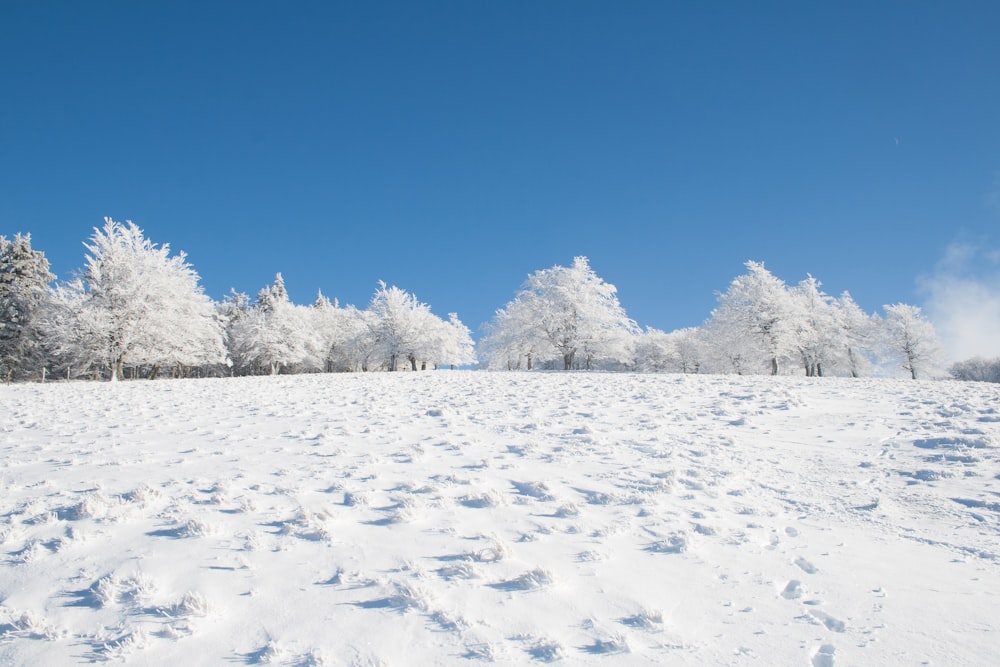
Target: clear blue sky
451, 148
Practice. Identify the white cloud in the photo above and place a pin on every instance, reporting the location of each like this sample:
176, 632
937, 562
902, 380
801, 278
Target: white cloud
963, 300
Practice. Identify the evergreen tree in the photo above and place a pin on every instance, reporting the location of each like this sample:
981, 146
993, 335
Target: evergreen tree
24, 280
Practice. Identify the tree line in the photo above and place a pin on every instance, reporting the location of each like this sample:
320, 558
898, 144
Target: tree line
136, 311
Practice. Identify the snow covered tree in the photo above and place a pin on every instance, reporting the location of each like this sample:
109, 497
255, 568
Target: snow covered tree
816, 333
680, 351
453, 344
276, 335
858, 330
977, 369
568, 314
757, 306
232, 311
513, 339
399, 325
24, 279
911, 339
655, 352
136, 304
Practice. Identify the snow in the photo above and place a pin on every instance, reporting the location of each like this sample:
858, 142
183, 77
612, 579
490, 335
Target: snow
517, 518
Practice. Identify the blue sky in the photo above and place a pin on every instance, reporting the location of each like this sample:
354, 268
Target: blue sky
451, 148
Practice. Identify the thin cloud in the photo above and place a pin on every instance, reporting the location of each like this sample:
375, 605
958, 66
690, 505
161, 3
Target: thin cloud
963, 300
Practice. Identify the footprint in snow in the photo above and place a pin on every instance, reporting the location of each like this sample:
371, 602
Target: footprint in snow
831, 623
823, 657
792, 590
806, 566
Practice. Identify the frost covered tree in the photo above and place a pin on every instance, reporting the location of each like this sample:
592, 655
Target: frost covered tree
232, 311
399, 325
680, 351
816, 333
911, 339
859, 334
453, 344
655, 352
757, 313
563, 314
24, 280
404, 330
513, 339
976, 369
275, 335
135, 304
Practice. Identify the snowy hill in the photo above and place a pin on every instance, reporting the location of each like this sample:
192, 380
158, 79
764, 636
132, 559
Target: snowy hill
459, 517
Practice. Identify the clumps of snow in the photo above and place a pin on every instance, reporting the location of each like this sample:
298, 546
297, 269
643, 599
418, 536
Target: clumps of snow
134, 589
546, 650
26, 625
356, 499
191, 604
143, 494
617, 643
569, 510
308, 525
33, 550
118, 644
674, 544
496, 550
650, 620
486, 499
532, 580
93, 505
535, 490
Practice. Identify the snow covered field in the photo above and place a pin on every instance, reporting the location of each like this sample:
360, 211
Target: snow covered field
464, 517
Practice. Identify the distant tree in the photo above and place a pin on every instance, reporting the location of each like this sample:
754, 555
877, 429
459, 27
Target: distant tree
404, 330
233, 311
564, 313
136, 305
690, 346
453, 344
730, 346
911, 339
859, 334
24, 280
332, 332
275, 335
655, 352
400, 325
977, 369
513, 339
816, 333
756, 312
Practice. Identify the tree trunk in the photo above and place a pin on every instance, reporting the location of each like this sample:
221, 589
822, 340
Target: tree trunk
854, 366
774, 365
154, 371
568, 361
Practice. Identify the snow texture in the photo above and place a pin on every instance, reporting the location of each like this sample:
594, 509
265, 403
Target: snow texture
458, 518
